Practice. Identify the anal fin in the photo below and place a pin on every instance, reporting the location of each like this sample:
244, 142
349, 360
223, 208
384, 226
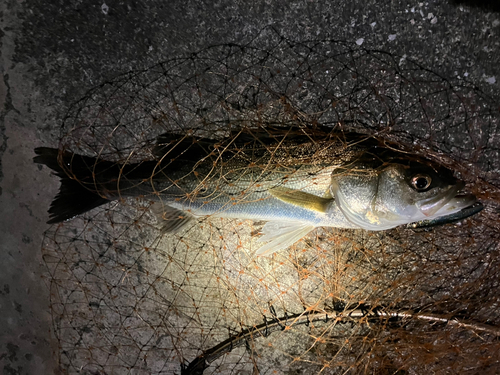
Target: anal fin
172, 220
281, 235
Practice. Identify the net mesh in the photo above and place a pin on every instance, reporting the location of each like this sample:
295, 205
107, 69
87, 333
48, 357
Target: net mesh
128, 299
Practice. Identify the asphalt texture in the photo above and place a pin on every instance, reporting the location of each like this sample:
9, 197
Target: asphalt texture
52, 52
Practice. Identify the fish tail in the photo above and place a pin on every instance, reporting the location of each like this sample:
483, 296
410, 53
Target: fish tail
74, 198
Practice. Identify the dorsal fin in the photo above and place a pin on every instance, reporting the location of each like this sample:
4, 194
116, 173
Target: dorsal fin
178, 147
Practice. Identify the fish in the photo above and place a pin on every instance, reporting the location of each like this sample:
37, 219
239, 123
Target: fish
294, 178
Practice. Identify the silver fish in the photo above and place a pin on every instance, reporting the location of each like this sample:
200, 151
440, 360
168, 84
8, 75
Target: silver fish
295, 179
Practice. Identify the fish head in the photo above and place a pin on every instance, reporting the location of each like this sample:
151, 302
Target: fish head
396, 194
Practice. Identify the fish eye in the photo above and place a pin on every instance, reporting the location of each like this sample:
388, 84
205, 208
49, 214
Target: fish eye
421, 182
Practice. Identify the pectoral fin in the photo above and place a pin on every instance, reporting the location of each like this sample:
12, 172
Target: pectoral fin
171, 219
281, 235
301, 199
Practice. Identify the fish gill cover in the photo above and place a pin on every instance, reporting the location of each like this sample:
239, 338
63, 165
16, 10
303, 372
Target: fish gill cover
128, 299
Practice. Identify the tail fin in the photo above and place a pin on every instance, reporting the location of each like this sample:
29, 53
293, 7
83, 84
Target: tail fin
73, 197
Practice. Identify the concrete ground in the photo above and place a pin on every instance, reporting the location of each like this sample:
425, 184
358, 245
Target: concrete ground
53, 52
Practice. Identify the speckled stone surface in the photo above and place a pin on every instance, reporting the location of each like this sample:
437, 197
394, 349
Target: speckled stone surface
52, 52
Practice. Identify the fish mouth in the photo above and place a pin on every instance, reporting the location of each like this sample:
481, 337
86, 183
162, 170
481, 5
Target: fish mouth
455, 204
465, 212
450, 206
446, 203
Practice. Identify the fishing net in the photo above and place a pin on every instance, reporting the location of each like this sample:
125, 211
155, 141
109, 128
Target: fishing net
128, 299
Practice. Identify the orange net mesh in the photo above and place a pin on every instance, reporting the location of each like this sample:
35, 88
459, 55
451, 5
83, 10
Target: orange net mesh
128, 299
